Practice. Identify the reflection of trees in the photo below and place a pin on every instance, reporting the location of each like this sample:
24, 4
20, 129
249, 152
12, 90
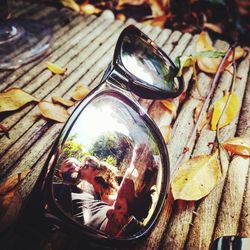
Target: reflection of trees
72, 148
113, 148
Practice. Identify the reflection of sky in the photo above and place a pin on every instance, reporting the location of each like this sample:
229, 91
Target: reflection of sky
96, 121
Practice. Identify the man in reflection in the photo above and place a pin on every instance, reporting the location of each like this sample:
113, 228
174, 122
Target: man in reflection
98, 192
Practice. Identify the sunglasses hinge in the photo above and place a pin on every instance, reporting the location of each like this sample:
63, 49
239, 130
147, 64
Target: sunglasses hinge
118, 79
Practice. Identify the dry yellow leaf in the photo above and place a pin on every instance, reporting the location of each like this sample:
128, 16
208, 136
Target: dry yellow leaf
211, 64
237, 146
14, 99
62, 101
80, 92
196, 178
166, 132
55, 68
89, 9
170, 106
206, 64
53, 111
230, 112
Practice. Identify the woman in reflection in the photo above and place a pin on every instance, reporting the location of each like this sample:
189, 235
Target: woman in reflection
98, 188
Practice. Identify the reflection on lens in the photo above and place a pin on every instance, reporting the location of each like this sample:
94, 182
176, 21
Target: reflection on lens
109, 174
144, 62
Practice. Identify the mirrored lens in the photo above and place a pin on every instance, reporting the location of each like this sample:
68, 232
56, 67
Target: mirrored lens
143, 60
109, 175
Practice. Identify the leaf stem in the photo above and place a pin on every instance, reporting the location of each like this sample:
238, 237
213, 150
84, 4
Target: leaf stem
224, 110
203, 109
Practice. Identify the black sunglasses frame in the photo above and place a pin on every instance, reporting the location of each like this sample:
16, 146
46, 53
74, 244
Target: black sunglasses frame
116, 82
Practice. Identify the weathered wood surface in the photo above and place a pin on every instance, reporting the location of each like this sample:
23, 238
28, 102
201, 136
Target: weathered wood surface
84, 44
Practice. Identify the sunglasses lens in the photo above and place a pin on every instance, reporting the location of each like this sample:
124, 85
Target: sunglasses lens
110, 174
144, 61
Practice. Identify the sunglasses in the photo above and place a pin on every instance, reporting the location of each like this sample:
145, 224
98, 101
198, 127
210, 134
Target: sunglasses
111, 128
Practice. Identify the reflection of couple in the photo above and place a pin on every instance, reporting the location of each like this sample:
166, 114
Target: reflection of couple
98, 200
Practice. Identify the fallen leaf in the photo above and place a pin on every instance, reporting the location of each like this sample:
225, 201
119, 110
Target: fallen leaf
14, 99
196, 177
62, 101
166, 133
206, 64
80, 92
230, 112
170, 106
4, 130
238, 146
184, 62
53, 111
10, 207
12, 182
55, 69
208, 59
157, 8
89, 9
71, 4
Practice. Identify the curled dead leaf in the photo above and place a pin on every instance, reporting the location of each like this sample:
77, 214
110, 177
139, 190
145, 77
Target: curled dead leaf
4, 130
80, 92
230, 112
14, 99
62, 101
53, 111
196, 177
55, 69
238, 146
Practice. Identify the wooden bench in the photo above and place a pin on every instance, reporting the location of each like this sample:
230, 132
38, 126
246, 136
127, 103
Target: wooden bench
85, 45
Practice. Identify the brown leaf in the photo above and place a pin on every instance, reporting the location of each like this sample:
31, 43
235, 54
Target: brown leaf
238, 146
14, 99
11, 182
10, 207
4, 130
157, 8
80, 92
53, 111
170, 106
62, 101
196, 177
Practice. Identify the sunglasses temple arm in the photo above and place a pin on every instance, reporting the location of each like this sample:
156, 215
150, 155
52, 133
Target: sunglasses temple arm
107, 72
